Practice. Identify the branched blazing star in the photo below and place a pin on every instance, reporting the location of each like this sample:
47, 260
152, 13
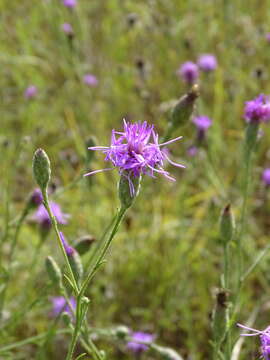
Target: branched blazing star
258, 109
264, 337
136, 151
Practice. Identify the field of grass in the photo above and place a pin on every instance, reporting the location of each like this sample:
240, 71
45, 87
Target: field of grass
164, 268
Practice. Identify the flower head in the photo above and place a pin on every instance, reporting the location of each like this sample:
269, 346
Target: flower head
266, 176
202, 122
67, 28
70, 3
135, 151
90, 79
59, 305
264, 337
30, 92
207, 62
258, 109
138, 338
189, 72
42, 217
192, 150
36, 197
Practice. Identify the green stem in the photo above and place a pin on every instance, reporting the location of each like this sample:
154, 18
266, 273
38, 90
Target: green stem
103, 251
54, 224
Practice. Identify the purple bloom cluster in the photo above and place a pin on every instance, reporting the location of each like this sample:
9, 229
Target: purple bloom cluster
264, 337
189, 72
36, 197
266, 176
207, 62
258, 109
137, 339
70, 3
133, 153
69, 249
42, 217
59, 305
90, 79
202, 122
67, 29
30, 92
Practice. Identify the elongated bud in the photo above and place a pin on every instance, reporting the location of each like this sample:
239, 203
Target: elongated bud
83, 244
183, 110
53, 271
128, 189
219, 316
166, 353
41, 169
227, 225
76, 265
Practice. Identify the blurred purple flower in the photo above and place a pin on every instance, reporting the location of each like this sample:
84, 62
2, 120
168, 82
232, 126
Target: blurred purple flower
138, 337
266, 176
132, 152
189, 72
207, 62
192, 150
42, 217
264, 337
267, 36
59, 305
67, 29
69, 249
30, 92
258, 109
36, 197
202, 122
70, 3
90, 79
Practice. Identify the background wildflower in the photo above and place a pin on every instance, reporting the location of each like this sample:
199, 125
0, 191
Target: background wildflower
266, 176
138, 337
30, 92
67, 29
207, 62
70, 3
59, 305
42, 217
258, 109
90, 79
189, 72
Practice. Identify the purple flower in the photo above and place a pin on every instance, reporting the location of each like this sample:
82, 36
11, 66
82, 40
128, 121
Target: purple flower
133, 153
267, 37
207, 62
30, 92
258, 109
67, 28
138, 337
70, 3
189, 72
69, 249
202, 122
90, 79
264, 337
266, 176
59, 305
192, 150
42, 217
36, 197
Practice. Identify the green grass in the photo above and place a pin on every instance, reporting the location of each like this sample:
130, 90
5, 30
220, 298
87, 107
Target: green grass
166, 260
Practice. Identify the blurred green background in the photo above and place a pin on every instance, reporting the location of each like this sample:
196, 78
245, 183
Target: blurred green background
165, 262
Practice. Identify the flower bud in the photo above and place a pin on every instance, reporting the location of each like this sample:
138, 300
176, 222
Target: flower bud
121, 332
183, 110
166, 353
227, 225
53, 271
41, 169
66, 318
219, 316
83, 244
128, 189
